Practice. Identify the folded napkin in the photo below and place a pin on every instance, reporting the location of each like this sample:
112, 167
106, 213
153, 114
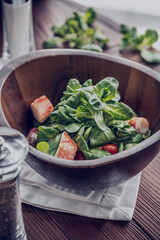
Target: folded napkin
116, 203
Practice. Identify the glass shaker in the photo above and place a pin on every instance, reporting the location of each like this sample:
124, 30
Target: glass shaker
13, 150
18, 35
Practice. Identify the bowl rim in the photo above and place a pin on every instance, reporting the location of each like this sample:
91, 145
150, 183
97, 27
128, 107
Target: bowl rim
13, 64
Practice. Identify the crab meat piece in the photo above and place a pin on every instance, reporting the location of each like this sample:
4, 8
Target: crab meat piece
67, 147
140, 124
41, 108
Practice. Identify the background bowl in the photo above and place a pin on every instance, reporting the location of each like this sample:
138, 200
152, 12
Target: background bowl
47, 72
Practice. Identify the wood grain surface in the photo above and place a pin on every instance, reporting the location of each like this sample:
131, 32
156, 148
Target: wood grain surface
45, 225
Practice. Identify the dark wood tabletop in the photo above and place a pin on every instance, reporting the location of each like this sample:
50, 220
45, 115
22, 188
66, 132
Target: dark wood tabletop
42, 224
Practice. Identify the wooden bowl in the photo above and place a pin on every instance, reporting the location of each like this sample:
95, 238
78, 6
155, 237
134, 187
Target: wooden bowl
47, 72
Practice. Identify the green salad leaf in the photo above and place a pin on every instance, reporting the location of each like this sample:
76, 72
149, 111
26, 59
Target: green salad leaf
92, 47
150, 56
86, 135
53, 145
142, 43
99, 137
90, 16
121, 129
87, 83
106, 89
99, 119
78, 31
73, 127
81, 143
120, 110
41, 137
95, 154
52, 130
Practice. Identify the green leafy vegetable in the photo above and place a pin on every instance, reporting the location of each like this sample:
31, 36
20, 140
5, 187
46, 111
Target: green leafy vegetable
90, 16
53, 145
41, 137
52, 43
78, 32
106, 89
121, 129
81, 143
143, 43
147, 135
86, 135
99, 137
87, 83
130, 145
99, 119
73, 84
121, 147
95, 154
150, 56
73, 127
120, 110
92, 47
51, 131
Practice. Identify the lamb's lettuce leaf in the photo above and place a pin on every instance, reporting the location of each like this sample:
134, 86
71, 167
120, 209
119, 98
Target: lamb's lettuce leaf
95, 102
95, 154
87, 83
99, 119
41, 137
73, 127
86, 135
121, 129
106, 89
84, 112
73, 84
142, 43
120, 110
81, 143
53, 145
99, 137
51, 131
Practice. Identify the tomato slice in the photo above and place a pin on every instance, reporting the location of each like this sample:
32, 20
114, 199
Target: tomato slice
79, 156
111, 148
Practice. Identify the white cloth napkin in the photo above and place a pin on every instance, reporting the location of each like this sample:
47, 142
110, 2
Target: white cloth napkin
116, 203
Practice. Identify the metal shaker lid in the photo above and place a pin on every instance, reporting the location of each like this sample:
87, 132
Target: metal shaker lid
13, 150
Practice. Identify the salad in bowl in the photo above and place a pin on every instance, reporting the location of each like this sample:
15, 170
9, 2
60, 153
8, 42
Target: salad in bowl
89, 122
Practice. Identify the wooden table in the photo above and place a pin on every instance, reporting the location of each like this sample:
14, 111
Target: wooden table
42, 224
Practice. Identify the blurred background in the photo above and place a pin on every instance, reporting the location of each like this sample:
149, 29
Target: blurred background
141, 13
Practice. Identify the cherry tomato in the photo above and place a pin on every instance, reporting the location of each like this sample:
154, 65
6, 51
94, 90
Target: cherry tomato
111, 148
79, 156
